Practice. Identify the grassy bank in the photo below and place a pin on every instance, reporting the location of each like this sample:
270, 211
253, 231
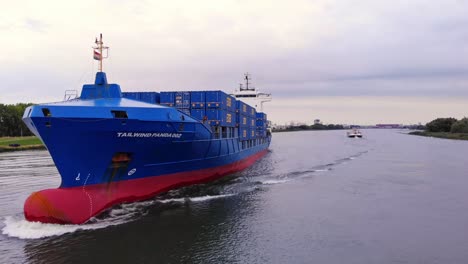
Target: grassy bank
25, 143
447, 135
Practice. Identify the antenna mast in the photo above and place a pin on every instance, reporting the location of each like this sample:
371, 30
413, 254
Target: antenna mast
247, 79
98, 55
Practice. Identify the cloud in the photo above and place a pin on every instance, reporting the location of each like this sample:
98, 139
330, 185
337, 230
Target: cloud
35, 25
368, 48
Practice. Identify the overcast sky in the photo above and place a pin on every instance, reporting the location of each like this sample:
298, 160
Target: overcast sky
343, 61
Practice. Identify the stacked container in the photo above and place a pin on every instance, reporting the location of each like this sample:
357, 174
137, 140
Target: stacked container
131, 95
147, 97
242, 119
220, 100
168, 99
198, 100
261, 124
182, 102
220, 109
150, 97
179, 100
217, 107
197, 105
251, 113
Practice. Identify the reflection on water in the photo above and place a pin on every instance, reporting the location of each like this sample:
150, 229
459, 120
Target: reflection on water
316, 197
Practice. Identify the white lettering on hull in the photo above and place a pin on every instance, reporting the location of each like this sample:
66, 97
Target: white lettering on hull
148, 135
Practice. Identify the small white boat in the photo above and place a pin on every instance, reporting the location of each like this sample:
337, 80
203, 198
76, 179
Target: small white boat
354, 133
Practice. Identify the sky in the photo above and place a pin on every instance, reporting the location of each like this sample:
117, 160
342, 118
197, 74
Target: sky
340, 61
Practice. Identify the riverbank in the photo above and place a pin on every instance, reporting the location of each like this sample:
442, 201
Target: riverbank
446, 135
20, 143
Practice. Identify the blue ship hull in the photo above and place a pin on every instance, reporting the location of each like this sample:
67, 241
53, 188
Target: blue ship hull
109, 149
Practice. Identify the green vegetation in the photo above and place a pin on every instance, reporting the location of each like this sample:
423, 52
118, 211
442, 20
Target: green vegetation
440, 125
449, 128
11, 124
306, 127
14, 135
20, 143
460, 126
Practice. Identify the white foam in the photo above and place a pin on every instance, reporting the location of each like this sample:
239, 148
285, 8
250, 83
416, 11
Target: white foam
195, 199
208, 197
176, 200
322, 170
271, 182
21, 228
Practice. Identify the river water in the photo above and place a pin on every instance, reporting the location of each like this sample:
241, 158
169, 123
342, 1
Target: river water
316, 197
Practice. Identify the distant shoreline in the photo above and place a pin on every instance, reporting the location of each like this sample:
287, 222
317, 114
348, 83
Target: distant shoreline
445, 135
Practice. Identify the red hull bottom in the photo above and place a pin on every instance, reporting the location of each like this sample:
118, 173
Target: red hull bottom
77, 205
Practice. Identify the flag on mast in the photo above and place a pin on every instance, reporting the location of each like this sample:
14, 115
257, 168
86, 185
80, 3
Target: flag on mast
97, 55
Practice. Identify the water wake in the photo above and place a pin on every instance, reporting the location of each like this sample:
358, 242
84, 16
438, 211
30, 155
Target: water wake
17, 226
21, 228
271, 182
194, 199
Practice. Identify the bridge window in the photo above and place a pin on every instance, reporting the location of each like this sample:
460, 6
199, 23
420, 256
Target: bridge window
119, 114
246, 95
46, 112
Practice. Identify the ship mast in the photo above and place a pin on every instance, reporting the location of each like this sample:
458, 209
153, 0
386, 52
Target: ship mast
98, 55
247, 78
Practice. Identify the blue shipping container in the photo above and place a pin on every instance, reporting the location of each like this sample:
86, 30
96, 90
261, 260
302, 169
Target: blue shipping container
261, 133
219, 99
221, 117
243, 133
167, 98
197, 99
251, 122
241, 107
261, 116
198, 113
251, 112
150, 97
131, 95
252, 132
182, 99
242, 120
261, 123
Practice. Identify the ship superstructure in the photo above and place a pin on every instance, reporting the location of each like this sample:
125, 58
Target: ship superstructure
250, 95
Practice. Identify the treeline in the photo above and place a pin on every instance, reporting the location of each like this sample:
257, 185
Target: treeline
11, 123
448, 125
311, 127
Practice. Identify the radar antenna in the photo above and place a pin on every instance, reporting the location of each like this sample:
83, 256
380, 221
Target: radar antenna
247, 79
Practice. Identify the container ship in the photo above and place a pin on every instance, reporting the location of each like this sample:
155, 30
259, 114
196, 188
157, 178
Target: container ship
112, 147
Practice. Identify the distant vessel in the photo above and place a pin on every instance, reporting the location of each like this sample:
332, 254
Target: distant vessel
111, 149
355, 133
